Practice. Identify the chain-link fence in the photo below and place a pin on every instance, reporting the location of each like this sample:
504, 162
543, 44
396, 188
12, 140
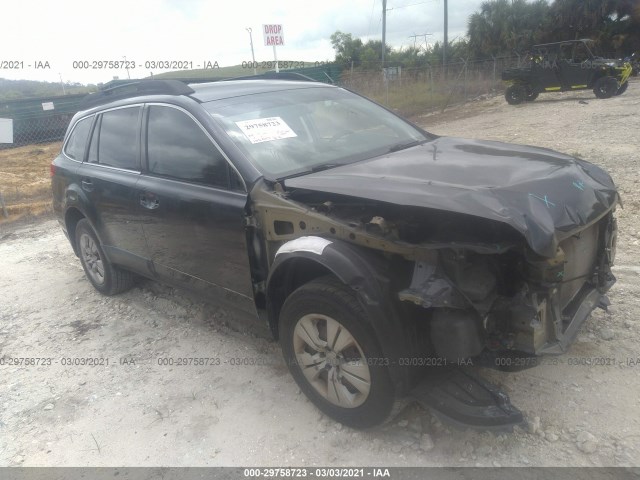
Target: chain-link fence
409, 91
412, 91
36, 120
24, 181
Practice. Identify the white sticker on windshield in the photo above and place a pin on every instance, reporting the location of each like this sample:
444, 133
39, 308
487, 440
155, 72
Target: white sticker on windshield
265, 129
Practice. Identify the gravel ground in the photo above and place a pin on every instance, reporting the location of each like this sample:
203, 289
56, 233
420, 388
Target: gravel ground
135, 412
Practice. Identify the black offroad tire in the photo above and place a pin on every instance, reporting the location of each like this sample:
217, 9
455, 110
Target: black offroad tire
531, 95
515, 94
114, 279
605, 87
623, 88
328, 297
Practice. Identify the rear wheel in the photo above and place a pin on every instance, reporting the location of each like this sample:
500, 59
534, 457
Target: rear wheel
104, 276
605, 87
333, 354
531, 95
623, 88
515, 94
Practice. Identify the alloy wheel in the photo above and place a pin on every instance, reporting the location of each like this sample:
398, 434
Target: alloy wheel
91, 258
331, 360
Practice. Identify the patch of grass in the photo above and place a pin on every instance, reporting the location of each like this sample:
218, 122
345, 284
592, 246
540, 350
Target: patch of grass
24, 179
413, 96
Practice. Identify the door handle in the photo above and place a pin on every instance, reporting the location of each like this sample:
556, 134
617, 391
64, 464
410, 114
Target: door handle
149, 201
87, 184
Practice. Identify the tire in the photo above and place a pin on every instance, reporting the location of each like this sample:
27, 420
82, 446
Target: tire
623, 88
342, 380
531, 95
104, 276
515, 94
605, 87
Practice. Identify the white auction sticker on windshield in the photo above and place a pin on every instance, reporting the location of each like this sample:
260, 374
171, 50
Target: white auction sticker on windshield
265, 129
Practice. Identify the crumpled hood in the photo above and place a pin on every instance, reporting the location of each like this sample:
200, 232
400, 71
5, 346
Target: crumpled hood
543, 194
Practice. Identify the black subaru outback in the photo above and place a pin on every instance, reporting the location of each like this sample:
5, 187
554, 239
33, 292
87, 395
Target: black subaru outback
381, 256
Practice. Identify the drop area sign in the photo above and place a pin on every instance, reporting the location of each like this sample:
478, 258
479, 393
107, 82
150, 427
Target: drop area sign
273, 35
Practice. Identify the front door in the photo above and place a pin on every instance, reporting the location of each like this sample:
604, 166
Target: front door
193, 206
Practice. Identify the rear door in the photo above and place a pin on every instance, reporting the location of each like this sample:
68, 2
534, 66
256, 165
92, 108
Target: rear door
194, 204
108, 179
575, 65
64, 182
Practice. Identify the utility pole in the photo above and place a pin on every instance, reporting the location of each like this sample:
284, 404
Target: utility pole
62, 83
384, 29
446, 39
414, 40
126, 65
253, 57
415, 37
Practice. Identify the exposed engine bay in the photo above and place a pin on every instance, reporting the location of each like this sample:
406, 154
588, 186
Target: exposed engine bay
475, 282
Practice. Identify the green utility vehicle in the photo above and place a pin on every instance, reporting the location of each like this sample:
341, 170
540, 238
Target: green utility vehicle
565, 66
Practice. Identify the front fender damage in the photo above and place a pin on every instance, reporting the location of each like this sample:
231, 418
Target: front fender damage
355, 268
439, 286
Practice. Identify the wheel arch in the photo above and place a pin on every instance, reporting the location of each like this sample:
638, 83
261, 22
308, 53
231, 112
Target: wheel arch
296, 264
361, 270
71, 218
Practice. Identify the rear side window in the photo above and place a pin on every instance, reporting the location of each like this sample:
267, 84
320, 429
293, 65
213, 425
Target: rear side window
78, 140
178, 148
118, 141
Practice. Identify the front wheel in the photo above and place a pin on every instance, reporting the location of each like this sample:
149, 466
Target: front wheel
103, 275
623, 88
605, 87
333, 354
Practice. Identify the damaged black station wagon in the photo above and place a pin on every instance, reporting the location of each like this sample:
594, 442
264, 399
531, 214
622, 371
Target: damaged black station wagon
381, 256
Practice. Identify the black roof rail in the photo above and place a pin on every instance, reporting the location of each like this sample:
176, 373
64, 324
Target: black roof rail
136, 88
173, 86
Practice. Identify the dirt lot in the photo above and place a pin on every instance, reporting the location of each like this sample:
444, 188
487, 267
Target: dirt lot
24, 179
133, 411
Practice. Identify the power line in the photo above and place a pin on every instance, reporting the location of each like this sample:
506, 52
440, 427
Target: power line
384, 29
406, 6
373, 4
446, 40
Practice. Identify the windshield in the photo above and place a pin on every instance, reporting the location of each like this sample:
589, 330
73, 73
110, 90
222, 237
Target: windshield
296, 131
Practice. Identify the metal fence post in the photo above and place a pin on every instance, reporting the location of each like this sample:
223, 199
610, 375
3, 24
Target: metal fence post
4, 207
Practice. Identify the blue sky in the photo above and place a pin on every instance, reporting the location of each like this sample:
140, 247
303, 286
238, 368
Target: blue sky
65, 31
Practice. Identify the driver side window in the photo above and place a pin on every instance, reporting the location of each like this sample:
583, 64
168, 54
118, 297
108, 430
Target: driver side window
178, 148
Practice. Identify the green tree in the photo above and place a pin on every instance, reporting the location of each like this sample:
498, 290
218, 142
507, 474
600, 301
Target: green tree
504, 26
347, 48
613, 24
